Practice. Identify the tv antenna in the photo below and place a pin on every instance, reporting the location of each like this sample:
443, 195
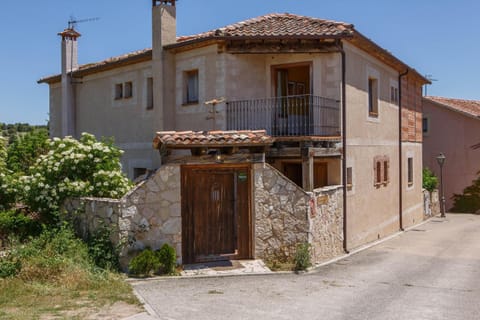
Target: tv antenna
430, 78
72, 23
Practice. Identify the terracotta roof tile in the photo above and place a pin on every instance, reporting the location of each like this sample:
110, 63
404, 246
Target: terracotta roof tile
190, 139
469, 107
278, 25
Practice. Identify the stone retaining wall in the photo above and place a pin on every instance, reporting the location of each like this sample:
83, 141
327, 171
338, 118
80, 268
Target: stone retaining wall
281, 214
326, 223
431, 203
148, 216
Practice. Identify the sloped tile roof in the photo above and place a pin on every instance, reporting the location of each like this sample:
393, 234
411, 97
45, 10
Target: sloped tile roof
278, 25
189, 139
469, 107
85, 69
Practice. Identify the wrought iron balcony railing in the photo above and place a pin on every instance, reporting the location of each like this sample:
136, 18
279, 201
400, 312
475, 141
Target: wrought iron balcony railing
303, 115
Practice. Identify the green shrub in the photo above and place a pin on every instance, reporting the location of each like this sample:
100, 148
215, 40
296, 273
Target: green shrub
168, 259
103, 252
17, 224
53, 256
25, 149
430, 181
145, 263
302, 257
469, 200
9, 267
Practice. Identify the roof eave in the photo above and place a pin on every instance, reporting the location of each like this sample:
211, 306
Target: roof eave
368, 45
448, 107
215, 39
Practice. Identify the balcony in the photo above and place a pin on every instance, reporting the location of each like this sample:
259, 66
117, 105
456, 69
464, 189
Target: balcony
290, 116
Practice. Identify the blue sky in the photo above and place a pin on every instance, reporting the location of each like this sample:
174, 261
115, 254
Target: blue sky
436, 37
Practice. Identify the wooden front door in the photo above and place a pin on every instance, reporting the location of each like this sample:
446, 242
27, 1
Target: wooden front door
216, 220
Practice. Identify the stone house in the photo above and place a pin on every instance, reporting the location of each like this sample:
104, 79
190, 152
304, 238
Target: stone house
335, 121
452, 127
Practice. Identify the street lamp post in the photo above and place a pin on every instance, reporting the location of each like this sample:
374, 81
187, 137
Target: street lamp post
441, 162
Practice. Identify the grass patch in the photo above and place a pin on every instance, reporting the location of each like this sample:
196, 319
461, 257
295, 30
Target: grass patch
58, 279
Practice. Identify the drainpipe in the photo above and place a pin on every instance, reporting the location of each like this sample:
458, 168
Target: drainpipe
344, 144
400, 171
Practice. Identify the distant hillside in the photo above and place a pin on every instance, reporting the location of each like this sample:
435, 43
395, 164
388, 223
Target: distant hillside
10, 131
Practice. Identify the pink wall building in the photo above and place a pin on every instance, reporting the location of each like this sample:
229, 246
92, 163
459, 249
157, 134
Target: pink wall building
452, 126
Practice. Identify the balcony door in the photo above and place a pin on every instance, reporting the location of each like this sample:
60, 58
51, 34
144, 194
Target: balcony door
292, 85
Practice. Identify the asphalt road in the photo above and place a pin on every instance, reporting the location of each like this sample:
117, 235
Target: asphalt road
430, 272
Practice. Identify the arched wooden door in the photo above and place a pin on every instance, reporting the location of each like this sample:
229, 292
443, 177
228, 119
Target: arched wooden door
216, 213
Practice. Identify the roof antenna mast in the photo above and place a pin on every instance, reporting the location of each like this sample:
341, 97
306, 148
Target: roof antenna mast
72, 23
431, 79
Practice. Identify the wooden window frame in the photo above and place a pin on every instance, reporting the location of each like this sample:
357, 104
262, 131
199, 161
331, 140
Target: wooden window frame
381, 171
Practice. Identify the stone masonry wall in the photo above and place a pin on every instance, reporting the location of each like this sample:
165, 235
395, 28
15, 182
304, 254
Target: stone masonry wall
431, 203
148, 216
326, 223
284, 216
281, 214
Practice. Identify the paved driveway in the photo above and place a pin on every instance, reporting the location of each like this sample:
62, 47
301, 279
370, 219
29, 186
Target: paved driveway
431, 272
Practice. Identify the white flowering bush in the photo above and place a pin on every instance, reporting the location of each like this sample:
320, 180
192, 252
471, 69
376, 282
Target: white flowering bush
73, 168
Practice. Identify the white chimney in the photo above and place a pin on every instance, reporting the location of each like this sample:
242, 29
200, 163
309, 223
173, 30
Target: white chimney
69, 64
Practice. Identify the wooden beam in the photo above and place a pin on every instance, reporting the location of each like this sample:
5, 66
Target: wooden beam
307, 169
284, 46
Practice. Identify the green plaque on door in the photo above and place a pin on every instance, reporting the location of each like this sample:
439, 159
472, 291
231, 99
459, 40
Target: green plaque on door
242, 176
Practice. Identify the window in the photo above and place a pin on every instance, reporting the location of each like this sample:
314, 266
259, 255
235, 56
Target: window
349, 178
410, 171
191, 86
123, 90
385, 171
128, 90
149, 93
378, 173
138, 172
425, 125
381, 171
118, 91
394, 95
372, 97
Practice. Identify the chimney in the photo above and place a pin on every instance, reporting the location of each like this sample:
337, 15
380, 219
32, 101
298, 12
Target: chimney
164, 32
69, 64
